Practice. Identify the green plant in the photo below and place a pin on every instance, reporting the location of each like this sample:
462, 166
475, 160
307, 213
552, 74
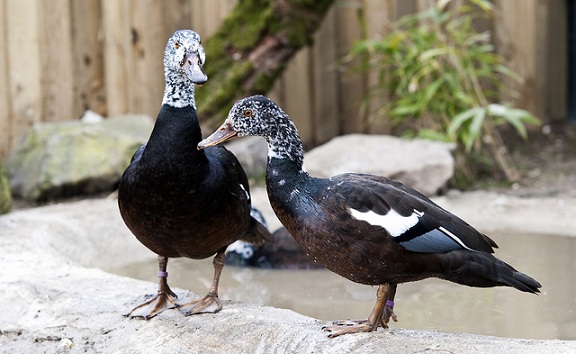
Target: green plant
443, 81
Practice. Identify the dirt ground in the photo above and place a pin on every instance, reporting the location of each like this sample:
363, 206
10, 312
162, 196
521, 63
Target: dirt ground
547, 162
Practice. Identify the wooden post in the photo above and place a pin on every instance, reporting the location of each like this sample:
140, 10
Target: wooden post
88, 57
56, 64
117, 55
326, 114
353, 85
177, 15
515, 37
147, 78
5, 106
24, 64
297, 93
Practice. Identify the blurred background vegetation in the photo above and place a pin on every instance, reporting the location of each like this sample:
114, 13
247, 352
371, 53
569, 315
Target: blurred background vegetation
466, 71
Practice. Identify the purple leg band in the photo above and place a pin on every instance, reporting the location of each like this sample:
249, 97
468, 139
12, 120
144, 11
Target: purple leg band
162, 274
389, 303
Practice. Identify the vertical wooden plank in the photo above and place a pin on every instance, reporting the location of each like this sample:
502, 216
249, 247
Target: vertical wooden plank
56, 64
227, 7
378, 16
5, 106
403, 7
515, 38
147, 82
198, 17
211, 17
353, 85
117, 55
24, 64
88, 57
177, 15
325, 98
554, 49
297, 95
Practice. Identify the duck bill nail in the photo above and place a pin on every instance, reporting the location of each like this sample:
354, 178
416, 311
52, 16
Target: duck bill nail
193, 69
221, 135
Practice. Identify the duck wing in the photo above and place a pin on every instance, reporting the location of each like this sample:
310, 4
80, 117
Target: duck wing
410, 218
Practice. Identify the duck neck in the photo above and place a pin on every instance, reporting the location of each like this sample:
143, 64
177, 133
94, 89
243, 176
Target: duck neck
285, 154
179, 90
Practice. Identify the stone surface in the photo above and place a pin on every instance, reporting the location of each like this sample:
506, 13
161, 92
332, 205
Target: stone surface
5, 195
74, 158
56, 300
421, 164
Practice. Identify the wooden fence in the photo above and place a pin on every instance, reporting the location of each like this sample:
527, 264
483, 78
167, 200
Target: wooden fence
61, 57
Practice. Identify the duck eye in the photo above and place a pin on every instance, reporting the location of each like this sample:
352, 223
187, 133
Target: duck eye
177, 45
248, 112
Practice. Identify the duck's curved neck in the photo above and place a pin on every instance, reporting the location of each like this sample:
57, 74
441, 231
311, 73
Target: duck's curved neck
284, 145
179, 91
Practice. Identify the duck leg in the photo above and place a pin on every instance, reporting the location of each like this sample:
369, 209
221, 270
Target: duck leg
389, 308
380, 315
209, 303
165, 299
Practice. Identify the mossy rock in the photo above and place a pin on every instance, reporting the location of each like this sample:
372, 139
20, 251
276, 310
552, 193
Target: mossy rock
5, 195
66, 159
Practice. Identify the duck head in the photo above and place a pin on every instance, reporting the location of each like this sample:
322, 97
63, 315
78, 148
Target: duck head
260, 116
251, 116
184, 57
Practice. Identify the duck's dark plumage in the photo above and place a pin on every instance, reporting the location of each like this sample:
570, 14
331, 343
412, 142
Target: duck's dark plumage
179, 201
369, 229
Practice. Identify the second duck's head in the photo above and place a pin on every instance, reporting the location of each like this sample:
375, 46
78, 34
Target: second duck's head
184, 58
252, 116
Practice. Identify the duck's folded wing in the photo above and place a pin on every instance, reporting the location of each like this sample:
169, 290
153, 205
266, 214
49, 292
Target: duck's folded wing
409, 218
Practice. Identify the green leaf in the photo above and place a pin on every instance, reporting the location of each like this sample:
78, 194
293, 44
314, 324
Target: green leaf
459, 120
516, 117
475, 128
433, 135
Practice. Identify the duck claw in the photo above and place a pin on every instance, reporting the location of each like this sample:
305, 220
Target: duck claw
154, 306
207, 304
339, 328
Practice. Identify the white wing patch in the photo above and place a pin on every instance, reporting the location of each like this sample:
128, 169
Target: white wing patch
393, 222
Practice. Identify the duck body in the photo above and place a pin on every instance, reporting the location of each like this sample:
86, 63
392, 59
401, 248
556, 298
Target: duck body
367, 253
181, 202
369, 229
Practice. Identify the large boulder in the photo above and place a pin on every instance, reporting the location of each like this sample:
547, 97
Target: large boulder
252, 153
5, 195
421, 164
76, 157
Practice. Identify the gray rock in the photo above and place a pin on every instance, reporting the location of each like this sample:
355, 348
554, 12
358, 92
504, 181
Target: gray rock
252, 153
73, 158
5, 195
421, 164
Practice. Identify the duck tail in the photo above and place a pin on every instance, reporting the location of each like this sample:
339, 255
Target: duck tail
480, 269
257, 233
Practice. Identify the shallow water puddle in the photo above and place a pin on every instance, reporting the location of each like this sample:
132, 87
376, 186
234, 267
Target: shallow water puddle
429, 304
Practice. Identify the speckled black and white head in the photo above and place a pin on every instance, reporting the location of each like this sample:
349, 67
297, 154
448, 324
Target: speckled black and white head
183, 61
260, 116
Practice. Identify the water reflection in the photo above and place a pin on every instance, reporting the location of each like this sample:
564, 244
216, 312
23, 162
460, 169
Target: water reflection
428, 304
